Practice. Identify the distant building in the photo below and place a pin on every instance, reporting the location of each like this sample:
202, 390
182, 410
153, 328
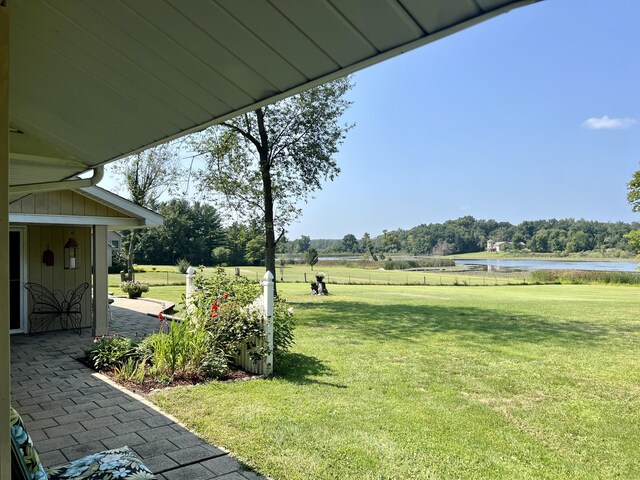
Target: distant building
114, 244
498, 246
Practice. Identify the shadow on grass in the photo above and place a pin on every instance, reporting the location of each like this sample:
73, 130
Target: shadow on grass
298, 368
363, 321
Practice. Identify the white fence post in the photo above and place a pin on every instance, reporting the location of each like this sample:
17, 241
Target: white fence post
267, 283
191, 272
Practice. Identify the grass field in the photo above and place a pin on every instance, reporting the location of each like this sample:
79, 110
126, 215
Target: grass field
167, 275
439, 382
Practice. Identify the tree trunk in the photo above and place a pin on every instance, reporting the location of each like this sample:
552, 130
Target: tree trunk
265, 171
270, 236
132, 241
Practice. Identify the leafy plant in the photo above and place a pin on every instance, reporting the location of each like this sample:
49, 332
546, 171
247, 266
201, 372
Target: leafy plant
110, 352
181, 350
229, 309
215, 364
183, 265
130, 371
283, 325
134, 289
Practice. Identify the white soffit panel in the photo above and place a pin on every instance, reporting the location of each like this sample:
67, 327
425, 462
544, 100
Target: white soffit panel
98, 80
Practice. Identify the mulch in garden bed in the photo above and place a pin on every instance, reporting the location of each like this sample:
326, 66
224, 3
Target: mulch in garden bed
150, 385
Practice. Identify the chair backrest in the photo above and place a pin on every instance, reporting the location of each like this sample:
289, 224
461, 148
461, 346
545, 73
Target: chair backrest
26, 463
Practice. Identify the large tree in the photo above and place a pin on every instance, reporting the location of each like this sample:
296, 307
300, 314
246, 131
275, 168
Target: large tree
265, 162
190, 231
350, 243
147, 176
634, 200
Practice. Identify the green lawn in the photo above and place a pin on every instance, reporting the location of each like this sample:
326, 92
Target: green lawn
439, 382
167, 275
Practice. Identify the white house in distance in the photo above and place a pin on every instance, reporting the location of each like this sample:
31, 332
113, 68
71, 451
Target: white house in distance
502, 246
498, 246
114, 244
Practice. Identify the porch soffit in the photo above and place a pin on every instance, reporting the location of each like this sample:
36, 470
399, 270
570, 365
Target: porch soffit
96, 81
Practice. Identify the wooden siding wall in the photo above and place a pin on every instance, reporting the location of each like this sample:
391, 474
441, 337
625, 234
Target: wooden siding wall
63, 202
41, 238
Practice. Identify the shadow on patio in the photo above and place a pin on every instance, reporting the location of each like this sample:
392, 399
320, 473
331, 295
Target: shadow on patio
71, 412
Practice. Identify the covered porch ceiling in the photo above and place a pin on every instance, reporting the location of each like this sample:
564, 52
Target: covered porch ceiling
93, 81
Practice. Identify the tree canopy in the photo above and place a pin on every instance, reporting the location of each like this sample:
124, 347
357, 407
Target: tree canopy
265, 162
467, 234
147, 176
633, 196
191, 230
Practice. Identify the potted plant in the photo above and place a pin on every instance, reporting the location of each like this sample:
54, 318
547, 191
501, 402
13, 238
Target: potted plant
134, 289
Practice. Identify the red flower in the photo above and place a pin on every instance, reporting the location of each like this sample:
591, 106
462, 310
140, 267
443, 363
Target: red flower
226, 295
161, 316
214, 309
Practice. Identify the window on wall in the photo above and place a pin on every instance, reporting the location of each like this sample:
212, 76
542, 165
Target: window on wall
115, 244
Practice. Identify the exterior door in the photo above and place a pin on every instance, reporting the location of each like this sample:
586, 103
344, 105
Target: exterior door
16, 281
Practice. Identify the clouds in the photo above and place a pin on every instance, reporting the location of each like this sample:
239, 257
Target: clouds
607, 123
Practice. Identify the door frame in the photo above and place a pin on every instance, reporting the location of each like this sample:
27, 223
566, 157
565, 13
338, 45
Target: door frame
23, 278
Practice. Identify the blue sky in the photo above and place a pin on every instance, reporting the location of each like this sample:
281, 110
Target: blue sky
490, 122
534, 114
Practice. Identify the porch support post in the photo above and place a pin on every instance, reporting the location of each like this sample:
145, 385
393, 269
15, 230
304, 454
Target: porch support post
100, 281
5, 357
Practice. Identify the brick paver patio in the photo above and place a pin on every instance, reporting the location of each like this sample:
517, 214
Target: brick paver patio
71, 412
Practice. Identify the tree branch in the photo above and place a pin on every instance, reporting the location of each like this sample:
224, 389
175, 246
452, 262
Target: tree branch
246, 135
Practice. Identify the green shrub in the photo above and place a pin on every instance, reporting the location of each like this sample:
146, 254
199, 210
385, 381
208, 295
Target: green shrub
215, 364
283, 325
227, 307
111, 352
183, 265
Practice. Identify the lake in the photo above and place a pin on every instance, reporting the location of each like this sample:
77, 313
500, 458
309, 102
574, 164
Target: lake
507, 265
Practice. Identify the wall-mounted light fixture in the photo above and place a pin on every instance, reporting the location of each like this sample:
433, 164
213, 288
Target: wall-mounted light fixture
71, 253
47, 257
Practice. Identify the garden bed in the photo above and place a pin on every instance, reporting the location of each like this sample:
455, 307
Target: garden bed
224, 323
150, 385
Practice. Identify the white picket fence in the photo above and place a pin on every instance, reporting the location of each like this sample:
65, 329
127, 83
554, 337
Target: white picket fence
265, 303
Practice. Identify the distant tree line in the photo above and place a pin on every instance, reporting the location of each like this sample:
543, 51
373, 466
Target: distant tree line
194, 231
467, 234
